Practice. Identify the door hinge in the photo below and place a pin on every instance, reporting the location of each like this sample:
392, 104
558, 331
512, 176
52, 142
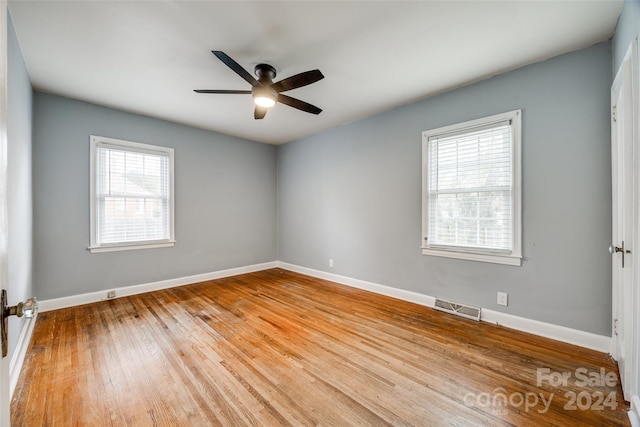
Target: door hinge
614, 115
615, 326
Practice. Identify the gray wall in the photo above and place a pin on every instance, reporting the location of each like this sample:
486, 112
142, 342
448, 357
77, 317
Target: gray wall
225, 200
19, 184
627, 29
353, 194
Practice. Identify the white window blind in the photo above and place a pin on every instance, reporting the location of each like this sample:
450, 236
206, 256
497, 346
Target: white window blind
471, 188
132, 200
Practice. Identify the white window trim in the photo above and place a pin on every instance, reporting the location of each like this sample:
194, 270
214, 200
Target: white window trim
94, 247
513, 257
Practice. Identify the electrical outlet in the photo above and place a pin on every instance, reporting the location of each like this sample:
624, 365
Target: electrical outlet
111, 294
331, 263
503, 298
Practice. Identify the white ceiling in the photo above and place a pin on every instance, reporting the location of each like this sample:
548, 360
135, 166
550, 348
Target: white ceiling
148, 56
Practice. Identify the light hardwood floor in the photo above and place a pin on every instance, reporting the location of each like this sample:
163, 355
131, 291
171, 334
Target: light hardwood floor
277, 348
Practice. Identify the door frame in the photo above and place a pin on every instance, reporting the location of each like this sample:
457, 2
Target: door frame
4, 364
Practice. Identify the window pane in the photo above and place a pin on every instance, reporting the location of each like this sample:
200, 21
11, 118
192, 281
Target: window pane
132, 192
469, 188
133, 219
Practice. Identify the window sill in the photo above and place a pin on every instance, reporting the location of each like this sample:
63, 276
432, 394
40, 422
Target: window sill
471, 256
131, 247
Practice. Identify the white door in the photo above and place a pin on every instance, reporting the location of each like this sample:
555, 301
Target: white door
4, 368
625, 218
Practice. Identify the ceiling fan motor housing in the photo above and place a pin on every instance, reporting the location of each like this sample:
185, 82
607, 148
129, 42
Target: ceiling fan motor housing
265, 72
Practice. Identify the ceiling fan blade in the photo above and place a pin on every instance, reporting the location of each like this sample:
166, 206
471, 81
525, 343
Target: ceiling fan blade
244, 92
259, 112
236, 67
300, 105
297, 81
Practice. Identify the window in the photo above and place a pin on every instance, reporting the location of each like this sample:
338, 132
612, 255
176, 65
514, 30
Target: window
471, 190
131, 195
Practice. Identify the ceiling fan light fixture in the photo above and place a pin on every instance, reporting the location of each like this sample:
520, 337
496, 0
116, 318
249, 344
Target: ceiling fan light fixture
264, 101
264, 96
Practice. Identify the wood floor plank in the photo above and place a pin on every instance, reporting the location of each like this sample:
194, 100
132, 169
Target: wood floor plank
276, 348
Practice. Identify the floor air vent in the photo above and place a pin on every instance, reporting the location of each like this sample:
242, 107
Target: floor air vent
458, 309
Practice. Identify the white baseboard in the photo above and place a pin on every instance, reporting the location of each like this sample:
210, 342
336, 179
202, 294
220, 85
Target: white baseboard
561, 333
634, 412
548, 330
71, 301
401, 294
15, 365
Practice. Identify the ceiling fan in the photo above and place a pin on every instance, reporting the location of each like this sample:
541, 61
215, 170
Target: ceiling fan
264, 91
